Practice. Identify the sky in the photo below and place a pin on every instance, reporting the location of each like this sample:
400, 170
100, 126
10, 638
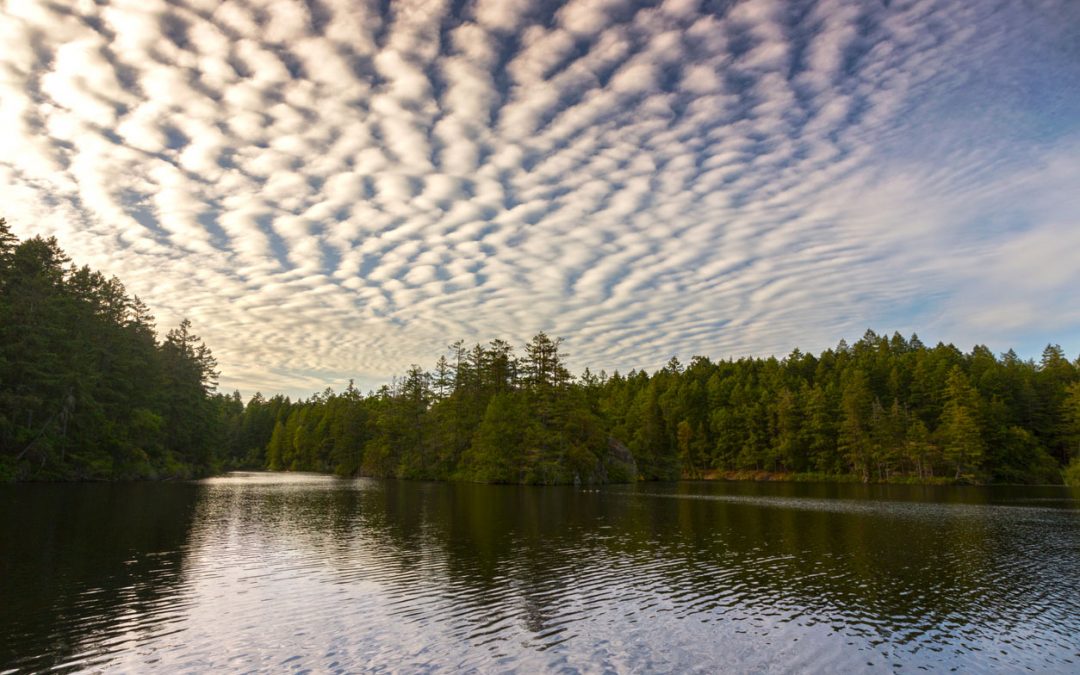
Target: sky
335, 189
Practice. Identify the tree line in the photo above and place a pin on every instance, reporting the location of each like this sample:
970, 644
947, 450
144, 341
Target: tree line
483, 414
89, 391
886, 408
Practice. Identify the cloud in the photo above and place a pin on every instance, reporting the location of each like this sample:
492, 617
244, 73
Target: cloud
338, 189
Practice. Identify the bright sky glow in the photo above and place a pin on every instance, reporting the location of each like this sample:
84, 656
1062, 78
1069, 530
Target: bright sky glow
332, 189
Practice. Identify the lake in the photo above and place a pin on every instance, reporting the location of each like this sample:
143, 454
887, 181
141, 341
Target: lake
255, 571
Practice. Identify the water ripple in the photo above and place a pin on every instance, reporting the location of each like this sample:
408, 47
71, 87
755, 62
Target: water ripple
261, 572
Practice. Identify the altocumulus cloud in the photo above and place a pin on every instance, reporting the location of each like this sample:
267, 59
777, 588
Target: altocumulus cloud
331, 188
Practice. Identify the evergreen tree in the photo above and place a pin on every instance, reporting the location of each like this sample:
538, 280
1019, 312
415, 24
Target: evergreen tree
87, 390
962, 443
854, 440
275, 451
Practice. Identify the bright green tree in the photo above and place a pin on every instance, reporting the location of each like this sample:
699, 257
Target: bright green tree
962, 443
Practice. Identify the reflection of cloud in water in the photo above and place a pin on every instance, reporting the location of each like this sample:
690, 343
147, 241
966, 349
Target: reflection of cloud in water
322, 573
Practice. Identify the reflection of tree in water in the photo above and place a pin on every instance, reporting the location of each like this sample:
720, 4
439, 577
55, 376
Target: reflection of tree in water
81, 561
489, 562
908, 573
502, 568
539, 558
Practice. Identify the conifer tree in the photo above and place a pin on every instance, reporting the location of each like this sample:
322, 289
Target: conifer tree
962, 443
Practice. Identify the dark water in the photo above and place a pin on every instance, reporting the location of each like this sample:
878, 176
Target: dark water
296, 572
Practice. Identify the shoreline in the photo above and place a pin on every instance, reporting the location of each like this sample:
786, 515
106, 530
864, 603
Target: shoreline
762, 476
709, 476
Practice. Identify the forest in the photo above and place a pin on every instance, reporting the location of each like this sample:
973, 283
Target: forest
884, 409
89, 391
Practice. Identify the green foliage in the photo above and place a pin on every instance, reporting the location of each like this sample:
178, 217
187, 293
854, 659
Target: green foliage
1021, 460
1071, 473
854, 438
484, 415
1070, 413
86, 389
882, 409
961, 438
505, 443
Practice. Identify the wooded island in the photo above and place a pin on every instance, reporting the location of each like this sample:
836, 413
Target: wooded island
88, 391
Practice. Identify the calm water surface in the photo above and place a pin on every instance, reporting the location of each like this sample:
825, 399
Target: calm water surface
298, 572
